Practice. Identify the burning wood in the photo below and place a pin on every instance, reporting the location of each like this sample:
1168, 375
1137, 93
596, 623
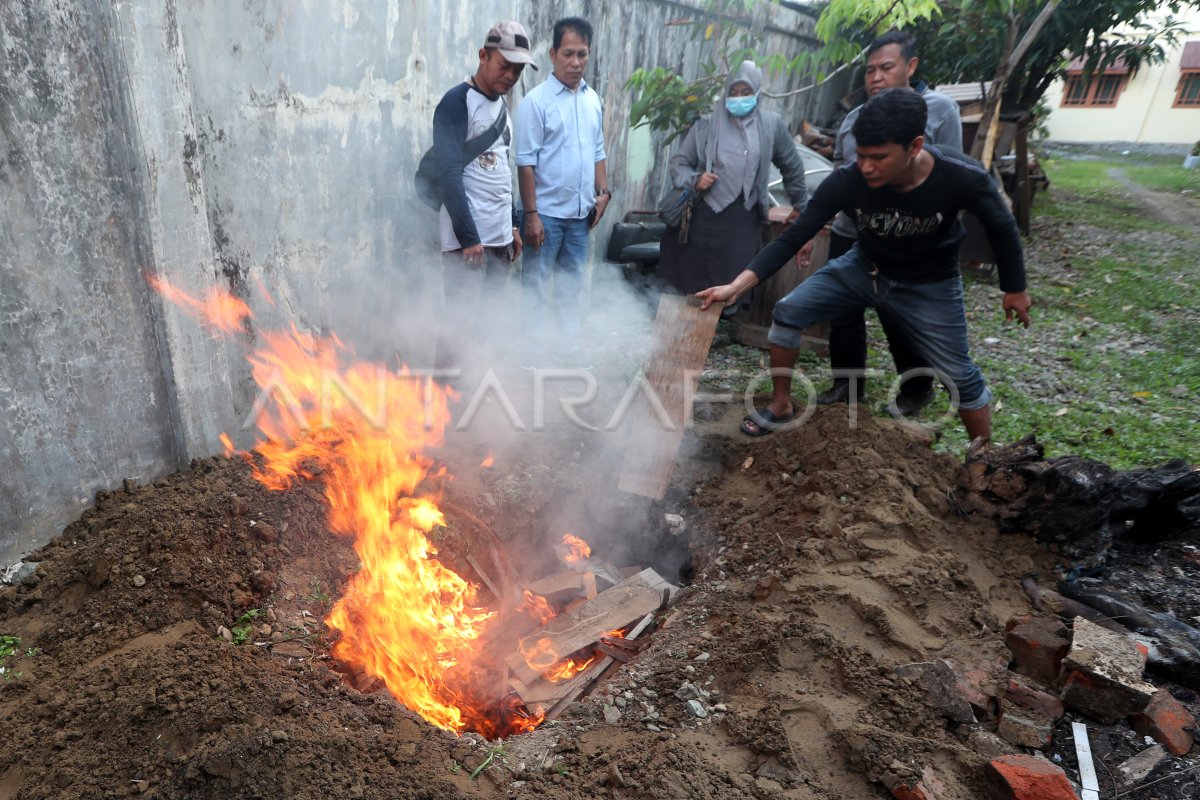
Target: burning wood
535, 667
552, 697
567, 582
407, 620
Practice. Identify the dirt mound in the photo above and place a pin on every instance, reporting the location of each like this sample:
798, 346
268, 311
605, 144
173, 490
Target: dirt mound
171, 641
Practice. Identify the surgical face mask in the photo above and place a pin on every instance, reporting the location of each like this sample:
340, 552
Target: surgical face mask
741, 106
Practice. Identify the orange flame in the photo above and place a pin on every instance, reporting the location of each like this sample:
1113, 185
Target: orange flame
220, 309
538, 608
488, 460
576, 548
567, 669
405, 617
541, 657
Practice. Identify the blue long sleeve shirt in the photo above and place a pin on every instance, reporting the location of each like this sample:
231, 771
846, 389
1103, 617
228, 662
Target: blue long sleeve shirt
560, 134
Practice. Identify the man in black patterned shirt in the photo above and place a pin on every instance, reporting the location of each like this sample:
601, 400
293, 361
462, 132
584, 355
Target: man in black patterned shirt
904, 199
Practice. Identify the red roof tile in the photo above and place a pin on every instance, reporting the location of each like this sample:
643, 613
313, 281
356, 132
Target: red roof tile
1191, 56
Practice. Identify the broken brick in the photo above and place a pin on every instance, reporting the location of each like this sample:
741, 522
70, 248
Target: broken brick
1104, 674
1022, 694
1027, 778
1134, 770
1168, 722
905, 791
1024, 727
978, 687
942, 688
1038, 645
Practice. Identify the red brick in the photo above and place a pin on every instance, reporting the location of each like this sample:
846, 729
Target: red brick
904, 791
978, 686
1027, 778
1032, 698
1168, 722
1104, 674
1038, 646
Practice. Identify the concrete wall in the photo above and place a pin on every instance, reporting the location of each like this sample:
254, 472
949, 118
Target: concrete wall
85, 396
244, 145
1143, 113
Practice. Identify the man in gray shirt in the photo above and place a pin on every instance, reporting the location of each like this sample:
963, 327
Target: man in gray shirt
891, 63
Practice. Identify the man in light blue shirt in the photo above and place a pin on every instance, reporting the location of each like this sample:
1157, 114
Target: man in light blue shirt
564, 191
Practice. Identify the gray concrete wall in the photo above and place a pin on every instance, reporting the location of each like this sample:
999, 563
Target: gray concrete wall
242, 145
84, 394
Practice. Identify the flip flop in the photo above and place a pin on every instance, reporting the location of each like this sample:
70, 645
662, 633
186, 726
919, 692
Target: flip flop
760, 423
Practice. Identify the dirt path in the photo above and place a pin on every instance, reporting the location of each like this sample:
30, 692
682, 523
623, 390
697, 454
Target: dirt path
1169, 207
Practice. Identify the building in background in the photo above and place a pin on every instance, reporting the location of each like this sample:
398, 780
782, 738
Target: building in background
1157, 105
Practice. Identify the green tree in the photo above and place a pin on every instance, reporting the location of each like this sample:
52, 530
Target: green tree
730, 30
967, 47
1021, 45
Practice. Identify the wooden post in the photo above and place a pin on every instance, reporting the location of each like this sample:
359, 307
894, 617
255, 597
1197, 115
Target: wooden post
754, 320
1024, 196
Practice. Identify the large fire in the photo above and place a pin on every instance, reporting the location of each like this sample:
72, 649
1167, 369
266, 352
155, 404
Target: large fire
363, 429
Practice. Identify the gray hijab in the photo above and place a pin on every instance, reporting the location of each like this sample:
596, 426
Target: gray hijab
733, 147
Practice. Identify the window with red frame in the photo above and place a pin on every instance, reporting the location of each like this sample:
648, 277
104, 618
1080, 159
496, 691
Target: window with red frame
1188, 95
1101, 91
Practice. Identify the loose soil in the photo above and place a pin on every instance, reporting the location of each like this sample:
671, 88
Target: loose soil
822, 559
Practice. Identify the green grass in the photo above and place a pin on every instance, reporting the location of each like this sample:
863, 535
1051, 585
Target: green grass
10, 646
1166, 174
1118, 335
1085, 191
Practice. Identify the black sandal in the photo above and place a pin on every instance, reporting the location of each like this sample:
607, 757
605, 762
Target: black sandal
760, 423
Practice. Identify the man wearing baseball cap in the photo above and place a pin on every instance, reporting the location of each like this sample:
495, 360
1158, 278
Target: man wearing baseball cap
478, 221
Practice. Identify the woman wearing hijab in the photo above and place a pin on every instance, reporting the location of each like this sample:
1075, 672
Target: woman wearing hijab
740, 141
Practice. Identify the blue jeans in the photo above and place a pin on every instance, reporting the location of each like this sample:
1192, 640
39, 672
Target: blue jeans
560, 261
931, 316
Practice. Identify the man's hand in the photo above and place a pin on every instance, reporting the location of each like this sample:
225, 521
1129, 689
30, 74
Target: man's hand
744, 282
1017, 304
473, 255
717, 294
705, 181
535, 234
601, 207
517, 244
804, 256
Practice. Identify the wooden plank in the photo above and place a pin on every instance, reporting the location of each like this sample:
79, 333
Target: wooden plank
1024, 200
568, 632
558, 583
682, 337
593, 672
602, 568
589, 584
652, 580
548, 695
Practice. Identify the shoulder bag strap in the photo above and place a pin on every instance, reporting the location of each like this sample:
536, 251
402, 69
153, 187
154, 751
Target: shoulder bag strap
480, 144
